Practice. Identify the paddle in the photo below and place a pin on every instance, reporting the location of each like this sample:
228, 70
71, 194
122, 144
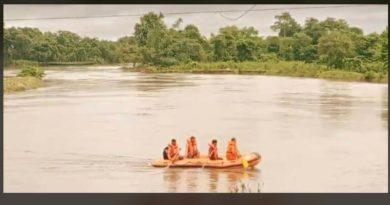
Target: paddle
245, 163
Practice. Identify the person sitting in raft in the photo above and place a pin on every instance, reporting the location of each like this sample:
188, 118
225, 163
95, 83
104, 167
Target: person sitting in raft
173, 151
165, 152
192, 148
213, 151
232, 152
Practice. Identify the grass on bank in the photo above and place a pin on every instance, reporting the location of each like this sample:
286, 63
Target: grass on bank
29, 77
14, 84
276, 68
21, 63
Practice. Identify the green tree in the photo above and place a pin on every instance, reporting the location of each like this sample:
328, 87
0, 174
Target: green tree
313, 29
152, 38
334, 48
286, 48
93, 52
150, 24
246, 50
272, 43
332, 24
127, 50
302, 48
233, 43
384, 57
177, 23
44, 48
368, 47
67, 46
286, 25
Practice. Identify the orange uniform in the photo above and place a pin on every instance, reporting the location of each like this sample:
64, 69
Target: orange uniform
173, 150
232, 152
213, 152
192, 149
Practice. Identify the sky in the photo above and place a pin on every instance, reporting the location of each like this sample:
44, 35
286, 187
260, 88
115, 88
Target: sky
369, 17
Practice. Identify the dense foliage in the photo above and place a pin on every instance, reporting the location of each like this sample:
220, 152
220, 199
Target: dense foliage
331, 42
63, 46
31, 71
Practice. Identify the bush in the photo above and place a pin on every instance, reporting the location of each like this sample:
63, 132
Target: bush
383, 78
341, 75
190, 65
32, 71
165, 62
371, 76
376, 67
354, 64
98, 61
269, 57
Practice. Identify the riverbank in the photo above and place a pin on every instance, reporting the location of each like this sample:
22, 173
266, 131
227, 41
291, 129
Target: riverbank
14, 84
48, 64
280, 68
66, 63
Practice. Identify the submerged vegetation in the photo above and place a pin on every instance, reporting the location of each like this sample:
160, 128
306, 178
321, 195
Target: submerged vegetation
13, 84
245, 188
29, 77
330, 49
31, 71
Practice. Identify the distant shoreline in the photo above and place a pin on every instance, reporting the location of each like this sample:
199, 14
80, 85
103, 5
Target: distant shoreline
282, 68
66, 63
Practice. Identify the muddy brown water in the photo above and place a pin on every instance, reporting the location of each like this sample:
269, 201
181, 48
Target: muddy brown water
96, 129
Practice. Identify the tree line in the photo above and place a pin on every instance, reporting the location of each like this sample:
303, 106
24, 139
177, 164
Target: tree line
331, 42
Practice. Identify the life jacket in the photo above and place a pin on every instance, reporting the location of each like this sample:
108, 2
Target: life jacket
213, 152
192, 148
172, 150
231, 151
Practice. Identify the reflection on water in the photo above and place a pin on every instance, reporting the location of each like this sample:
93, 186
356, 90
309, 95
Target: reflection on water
193, 180
96, 129
209, 180
172, 178
157, 82
336, 103
213, 182
235, 178
333, 101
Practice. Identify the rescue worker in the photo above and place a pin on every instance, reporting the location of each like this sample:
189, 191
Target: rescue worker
213, 151
173, 151
232, 152
192, 148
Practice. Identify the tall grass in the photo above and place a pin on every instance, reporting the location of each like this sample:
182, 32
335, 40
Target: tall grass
13, 84
29, 77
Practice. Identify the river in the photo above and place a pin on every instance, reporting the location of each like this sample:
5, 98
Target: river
96, 129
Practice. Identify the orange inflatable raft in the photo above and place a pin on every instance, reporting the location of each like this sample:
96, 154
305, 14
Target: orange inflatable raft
252, 159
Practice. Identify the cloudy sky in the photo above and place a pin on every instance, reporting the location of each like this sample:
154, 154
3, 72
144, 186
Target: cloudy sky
371, 18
